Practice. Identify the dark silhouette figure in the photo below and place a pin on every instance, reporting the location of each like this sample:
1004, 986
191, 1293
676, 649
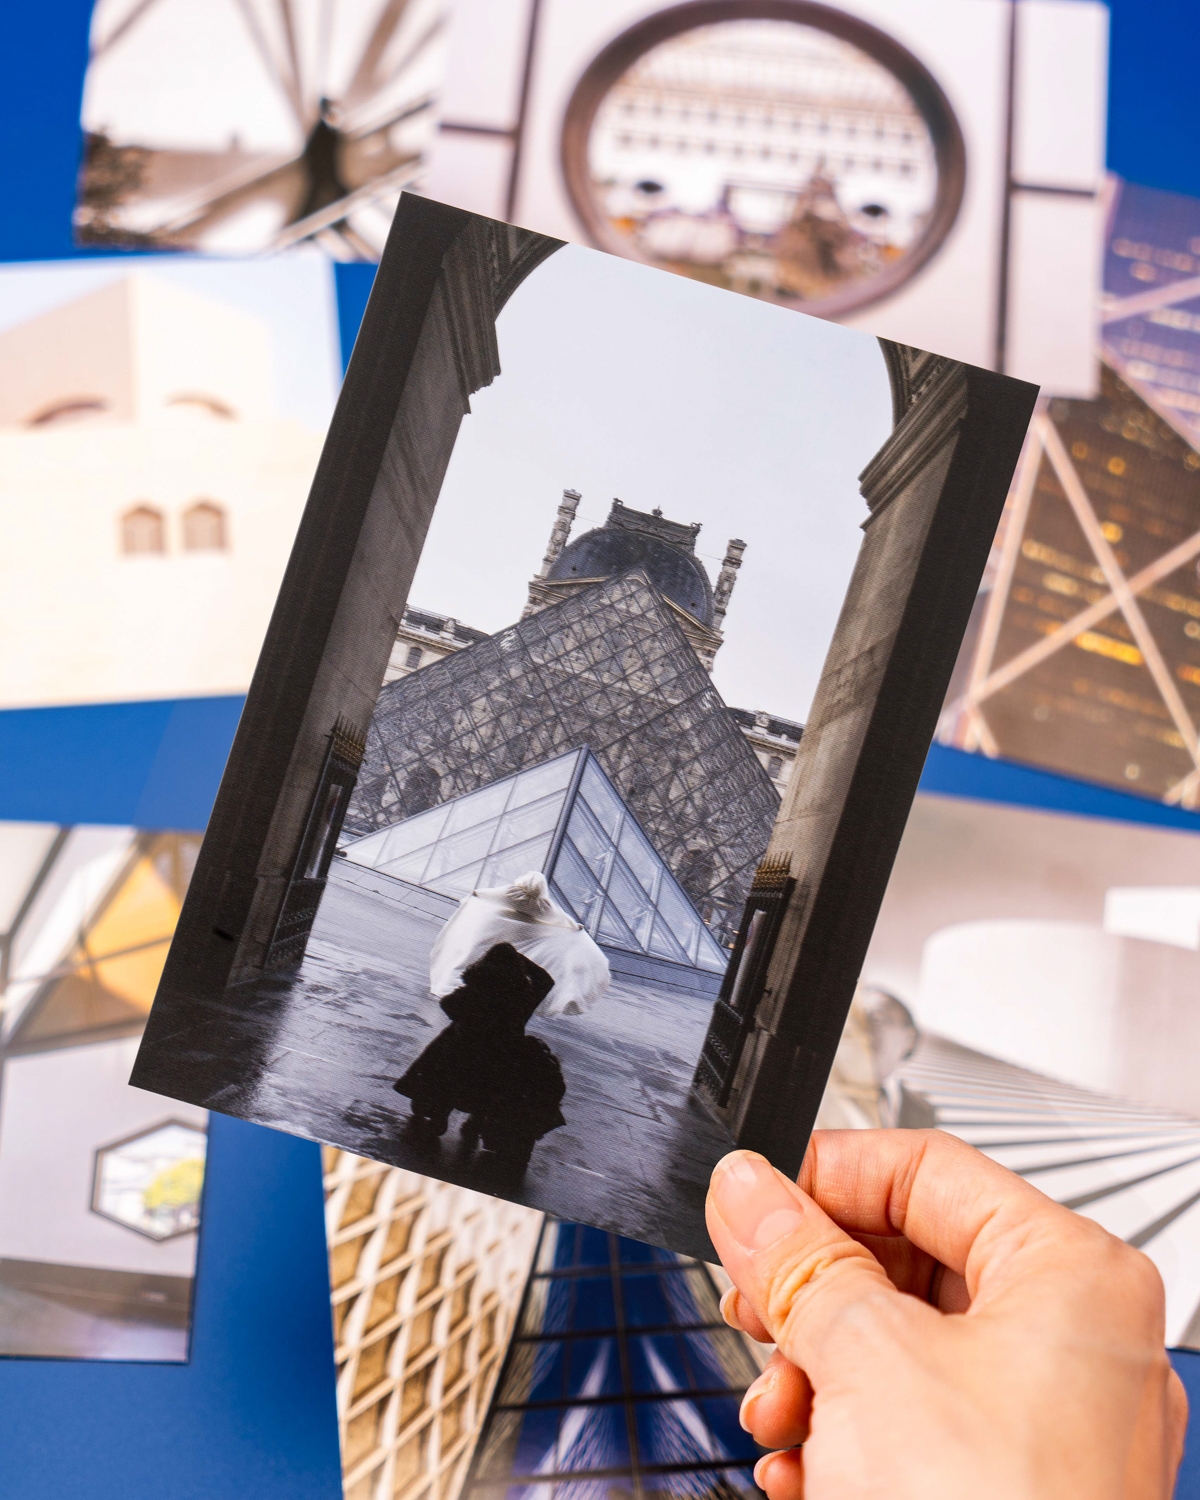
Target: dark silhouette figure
509, 1085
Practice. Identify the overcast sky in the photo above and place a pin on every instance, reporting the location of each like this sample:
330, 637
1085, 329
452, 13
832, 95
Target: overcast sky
619, 380
292, 293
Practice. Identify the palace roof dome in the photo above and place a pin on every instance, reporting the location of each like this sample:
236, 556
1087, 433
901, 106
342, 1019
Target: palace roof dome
662, 549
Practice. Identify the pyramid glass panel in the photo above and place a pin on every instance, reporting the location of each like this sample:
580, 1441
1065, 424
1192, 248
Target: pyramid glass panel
457, 851
602, 800
542, 781
488, 803
663, 944
612, 930
622, 1380
491, 836
638, 855
484, 837
591, 843
575, 886
507, 865
650, 914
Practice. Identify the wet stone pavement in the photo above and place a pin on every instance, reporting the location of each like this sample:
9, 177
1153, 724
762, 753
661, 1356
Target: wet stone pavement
316, 1052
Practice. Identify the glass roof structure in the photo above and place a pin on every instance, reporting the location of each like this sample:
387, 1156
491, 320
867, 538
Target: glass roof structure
621, 1381
608, 667
563, 817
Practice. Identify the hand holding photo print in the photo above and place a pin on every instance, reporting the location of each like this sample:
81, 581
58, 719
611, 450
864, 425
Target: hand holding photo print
556, 824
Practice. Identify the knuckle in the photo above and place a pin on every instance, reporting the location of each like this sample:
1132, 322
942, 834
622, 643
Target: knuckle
1131, 1269
793, 1281
788, 1277
1127, 1280
1177, 1400
1146, 1280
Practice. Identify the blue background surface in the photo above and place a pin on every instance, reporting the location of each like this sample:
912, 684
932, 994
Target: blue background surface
253, 1413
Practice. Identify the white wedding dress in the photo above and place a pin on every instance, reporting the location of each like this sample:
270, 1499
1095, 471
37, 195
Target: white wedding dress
524, 915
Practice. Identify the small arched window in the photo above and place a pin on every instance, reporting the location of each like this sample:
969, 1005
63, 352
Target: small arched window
774, 766
75, 410
204, 527
413, 659
195, 403
143, 530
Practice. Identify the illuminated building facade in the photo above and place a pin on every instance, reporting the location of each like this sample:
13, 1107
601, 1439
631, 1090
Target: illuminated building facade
426, 1281
1085, 652
480, 1347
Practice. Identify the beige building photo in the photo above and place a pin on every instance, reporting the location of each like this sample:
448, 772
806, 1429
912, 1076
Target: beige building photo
160, 421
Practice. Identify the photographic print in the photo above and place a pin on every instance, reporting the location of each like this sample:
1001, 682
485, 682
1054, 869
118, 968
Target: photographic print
1031, 986
168, 413
928, 170
1084, 653
586, 726
237, 128
100, 1183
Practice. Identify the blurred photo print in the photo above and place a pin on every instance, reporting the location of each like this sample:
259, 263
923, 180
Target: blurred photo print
168, 414
281, 122
100, 1183
1031, 987
1083, 653
585, 728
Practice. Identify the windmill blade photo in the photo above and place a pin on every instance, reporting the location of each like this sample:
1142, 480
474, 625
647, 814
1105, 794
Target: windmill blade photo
239, 126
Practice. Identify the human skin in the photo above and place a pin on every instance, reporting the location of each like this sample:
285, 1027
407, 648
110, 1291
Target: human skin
943, 1329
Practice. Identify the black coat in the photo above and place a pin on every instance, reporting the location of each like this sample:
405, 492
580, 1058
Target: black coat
483, 1063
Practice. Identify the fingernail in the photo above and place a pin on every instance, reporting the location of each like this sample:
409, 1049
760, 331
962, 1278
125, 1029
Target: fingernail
753, 1392
728, 1303
760, 1469
756, 1204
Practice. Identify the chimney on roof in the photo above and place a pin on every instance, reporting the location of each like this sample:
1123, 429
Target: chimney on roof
561, 531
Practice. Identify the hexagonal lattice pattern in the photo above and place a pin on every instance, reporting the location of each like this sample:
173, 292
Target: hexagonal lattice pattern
608, 668
426, 1279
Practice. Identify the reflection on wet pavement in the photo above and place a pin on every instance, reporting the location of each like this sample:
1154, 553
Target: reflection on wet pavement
316, 1053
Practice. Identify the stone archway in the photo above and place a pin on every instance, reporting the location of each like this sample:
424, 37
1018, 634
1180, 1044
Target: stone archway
427, 342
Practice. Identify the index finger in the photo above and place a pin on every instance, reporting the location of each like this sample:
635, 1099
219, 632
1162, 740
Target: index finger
941, 1194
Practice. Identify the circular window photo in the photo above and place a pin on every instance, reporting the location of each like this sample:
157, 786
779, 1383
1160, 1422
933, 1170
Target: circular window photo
779, 148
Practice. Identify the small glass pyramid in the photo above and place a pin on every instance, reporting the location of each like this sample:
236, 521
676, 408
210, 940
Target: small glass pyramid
565, 818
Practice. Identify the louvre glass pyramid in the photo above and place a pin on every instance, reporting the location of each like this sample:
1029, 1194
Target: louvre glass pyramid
607, 667
565, 818
621, 1381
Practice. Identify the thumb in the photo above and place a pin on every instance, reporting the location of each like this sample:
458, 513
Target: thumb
804, 1277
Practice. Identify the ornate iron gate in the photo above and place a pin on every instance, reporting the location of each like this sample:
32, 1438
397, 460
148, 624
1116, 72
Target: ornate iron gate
745, 979
306, 883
